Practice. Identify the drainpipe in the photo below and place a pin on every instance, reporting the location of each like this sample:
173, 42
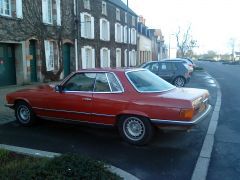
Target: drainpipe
77, 31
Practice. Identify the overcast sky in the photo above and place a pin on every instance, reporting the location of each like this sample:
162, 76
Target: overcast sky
213, 22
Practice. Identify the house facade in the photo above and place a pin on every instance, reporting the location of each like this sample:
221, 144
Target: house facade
107, 34
45, 40
36, 40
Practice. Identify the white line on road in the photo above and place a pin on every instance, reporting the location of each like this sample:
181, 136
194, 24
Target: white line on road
201, 168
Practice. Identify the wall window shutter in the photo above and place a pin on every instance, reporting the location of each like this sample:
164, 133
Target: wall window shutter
109, 58
45, 11
49, 55
92, 28
121, 33
101, 57
116, 32
101, 29
84, 64
125, 58
19, 12
58, 6
82, 24
108, 29
93, 58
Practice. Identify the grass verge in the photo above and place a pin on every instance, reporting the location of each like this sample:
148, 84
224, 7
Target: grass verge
69, 166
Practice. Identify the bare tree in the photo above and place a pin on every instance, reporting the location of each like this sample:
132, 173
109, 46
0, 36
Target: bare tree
185, 42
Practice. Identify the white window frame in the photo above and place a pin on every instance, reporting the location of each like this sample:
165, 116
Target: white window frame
118, 57
84, 32
126, 17
133, 36
132, 58
125, 58
118, 33
84, 60
4, 8
104, 8
118, 14
102, 59
50, 55
102, 30
125, 36
86, 4
19, 12
58, 10
47, 12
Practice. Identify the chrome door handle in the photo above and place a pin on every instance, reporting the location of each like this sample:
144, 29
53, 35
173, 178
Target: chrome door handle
86, 99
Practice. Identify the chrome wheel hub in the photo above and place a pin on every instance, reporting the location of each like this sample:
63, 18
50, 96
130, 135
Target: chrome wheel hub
23, 113
134, 128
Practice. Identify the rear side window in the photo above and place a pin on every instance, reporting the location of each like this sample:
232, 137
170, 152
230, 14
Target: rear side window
114, 83
166, 66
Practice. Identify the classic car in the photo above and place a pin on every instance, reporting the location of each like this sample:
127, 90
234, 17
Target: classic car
133, 100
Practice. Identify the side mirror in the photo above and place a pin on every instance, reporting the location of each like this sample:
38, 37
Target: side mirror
58, 88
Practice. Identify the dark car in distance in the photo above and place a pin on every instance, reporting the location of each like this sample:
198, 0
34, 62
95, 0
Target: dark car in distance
172, 71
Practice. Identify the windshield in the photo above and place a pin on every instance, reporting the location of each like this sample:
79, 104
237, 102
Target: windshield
146, 81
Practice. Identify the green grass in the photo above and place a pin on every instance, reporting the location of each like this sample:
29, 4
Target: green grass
69, 166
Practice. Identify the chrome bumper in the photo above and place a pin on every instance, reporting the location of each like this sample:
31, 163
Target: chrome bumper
9, 105
195, 121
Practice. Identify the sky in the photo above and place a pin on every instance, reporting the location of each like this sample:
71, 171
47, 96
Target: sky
213, 22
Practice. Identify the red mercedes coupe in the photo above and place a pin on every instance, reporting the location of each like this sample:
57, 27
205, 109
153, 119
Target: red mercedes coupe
134, 100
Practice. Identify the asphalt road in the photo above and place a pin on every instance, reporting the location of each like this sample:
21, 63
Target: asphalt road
171, 155
225, 161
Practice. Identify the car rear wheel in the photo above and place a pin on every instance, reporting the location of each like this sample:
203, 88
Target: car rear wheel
24, 114
179, 81
135, 130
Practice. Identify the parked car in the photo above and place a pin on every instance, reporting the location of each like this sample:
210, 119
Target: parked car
172, 71
134, 100
186, 62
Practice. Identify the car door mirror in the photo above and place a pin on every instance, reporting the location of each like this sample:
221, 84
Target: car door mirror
58, 88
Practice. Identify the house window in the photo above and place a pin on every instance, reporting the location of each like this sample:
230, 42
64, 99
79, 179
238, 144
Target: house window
105, 57
5, 7
86, 4
88, 57
118, 32
133, 21
132, 58
118, 57
51, 55
118, 14
126, 17
87, 26
104, 30
133, 36
47, 11
58, 11
125, 34
104, 8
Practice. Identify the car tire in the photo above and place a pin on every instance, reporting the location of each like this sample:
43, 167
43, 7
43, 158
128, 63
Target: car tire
135, 130
24, 114
179, 81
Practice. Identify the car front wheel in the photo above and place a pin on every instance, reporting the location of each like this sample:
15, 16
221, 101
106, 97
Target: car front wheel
135, 130
179, 81
24, 114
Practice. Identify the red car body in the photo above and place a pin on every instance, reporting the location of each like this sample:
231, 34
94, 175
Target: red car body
172, 108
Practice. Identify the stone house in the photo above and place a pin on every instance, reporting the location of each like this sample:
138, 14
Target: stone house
45, 40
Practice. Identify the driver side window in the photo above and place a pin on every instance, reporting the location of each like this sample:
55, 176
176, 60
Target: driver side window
80, 82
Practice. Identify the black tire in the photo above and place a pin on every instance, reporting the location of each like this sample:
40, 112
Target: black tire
24, 114
135, 130
179, 81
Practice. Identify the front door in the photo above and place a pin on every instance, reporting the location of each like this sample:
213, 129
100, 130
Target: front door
7, 65
33, 62
66, 59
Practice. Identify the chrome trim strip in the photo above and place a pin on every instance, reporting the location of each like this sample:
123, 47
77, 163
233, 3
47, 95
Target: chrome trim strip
76, 121
74, 112
126, 74
183, 123
9, 105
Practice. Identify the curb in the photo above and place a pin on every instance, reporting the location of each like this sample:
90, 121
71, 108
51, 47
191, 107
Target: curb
39, 153
201, 168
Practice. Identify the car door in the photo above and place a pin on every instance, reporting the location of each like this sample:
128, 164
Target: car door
165, 71
153, 67
74, 102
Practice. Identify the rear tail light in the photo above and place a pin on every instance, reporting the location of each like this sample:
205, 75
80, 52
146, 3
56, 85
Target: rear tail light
186, 114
